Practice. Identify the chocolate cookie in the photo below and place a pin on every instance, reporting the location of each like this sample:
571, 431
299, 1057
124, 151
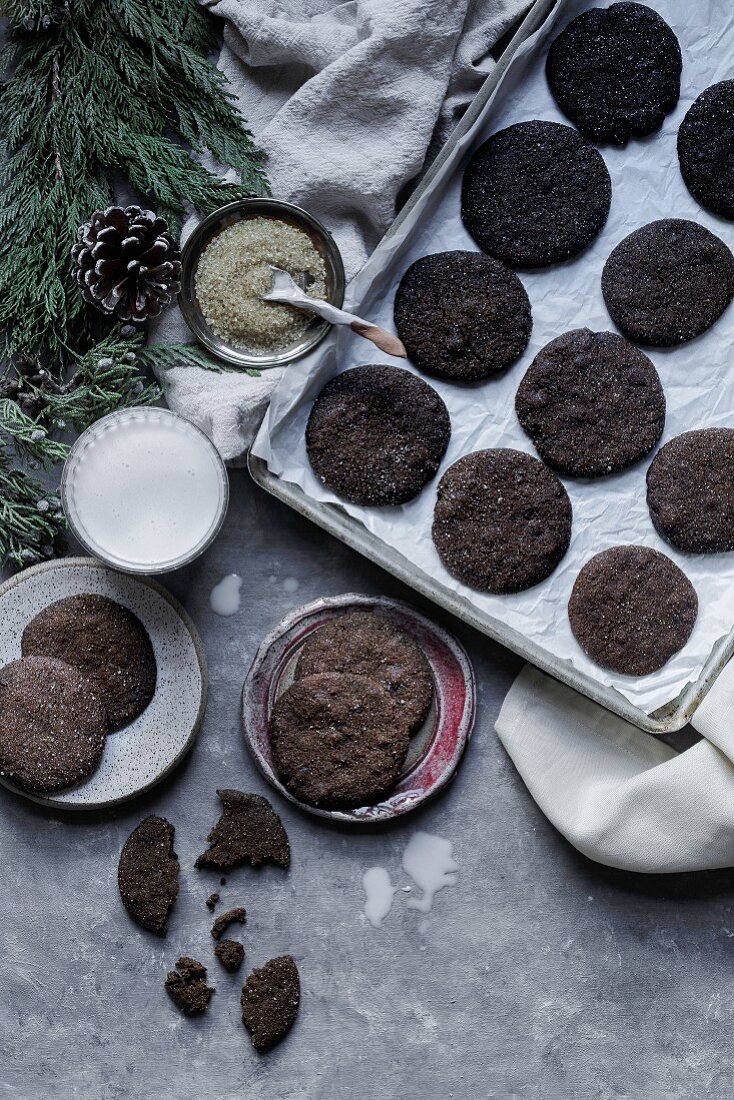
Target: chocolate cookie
631, 609
103, 639
376, 435
187, 988
365, 644
230, 954
270, 1000
668, 282
147, 874
338, 740
592, 403
535, 194
690, 491
615, 72
706, 148
249, 831
221, 924
462, 315
52, 724
502, 521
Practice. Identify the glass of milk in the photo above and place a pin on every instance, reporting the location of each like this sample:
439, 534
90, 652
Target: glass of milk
144, 490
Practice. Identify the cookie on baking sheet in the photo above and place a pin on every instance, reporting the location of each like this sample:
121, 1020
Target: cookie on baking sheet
535, 194
147, 873
53, 726
668, 282
338, 740
104, 640
690, 491
366, 644
502, 521
631, 609
376, 435
592, 403
706, 148
270, 1000
615, 72
462, 315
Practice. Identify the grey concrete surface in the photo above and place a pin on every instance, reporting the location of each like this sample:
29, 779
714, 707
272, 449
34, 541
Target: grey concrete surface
538, 975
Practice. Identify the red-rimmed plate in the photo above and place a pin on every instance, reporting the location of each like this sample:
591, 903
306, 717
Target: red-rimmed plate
436, 748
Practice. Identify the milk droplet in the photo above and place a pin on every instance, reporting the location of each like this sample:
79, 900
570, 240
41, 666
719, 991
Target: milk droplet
429, 862
290, 584
225, 596
380, 892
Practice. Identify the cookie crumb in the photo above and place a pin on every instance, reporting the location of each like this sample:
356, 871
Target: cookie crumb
221, 924
211, 902
187, 988
230, 954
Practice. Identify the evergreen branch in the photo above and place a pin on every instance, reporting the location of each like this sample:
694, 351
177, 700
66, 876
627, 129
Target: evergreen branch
169, 356
30, 439
32, 523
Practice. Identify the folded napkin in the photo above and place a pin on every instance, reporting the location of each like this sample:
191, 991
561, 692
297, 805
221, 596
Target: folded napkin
346, 99
621, 796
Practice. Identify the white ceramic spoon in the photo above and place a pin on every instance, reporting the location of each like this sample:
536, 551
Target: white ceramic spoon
284, 289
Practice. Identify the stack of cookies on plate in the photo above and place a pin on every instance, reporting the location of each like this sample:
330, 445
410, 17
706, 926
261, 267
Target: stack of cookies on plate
340, 733
87, 668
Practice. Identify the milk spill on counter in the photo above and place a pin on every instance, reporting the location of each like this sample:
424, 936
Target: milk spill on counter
380, 892
225, 596
429, 861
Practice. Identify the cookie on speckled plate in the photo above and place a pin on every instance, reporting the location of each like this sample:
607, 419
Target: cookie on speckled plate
535, 194
366, 644
502, 521
104, 640
376, 435
462, 315
53, 726
592, 403
615, 72
147, 873
667, 282
338, 740
631, 609
270, 1000
706, 148
690, 491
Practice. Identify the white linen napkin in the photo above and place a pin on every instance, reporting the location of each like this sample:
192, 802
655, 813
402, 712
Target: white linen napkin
345, 98
621, 796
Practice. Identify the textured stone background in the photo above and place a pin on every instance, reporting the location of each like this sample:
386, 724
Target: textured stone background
539, 975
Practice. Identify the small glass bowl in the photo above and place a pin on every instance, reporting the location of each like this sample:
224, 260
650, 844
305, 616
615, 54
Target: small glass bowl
229, 215
106, 433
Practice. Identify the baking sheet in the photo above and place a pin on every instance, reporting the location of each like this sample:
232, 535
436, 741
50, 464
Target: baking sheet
697, 377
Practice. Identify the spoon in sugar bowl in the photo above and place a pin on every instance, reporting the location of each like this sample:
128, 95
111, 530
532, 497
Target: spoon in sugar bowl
285, 289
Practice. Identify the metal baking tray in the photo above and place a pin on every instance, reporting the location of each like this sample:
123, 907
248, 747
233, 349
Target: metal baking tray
332, 518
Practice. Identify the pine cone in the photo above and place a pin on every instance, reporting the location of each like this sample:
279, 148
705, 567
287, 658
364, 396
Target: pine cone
127, 263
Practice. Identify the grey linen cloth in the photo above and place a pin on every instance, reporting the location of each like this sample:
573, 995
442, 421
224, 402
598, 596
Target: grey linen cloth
346, 99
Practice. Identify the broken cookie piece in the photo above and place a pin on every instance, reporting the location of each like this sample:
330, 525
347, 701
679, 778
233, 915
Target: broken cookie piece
230, 954
147, 874
270, 1000
187, 988
221, 924
249, 831
211, 901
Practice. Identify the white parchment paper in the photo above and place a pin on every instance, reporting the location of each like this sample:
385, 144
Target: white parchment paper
698, 377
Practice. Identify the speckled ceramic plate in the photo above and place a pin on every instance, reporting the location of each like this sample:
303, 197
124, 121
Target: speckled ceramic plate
436, 748
140, 754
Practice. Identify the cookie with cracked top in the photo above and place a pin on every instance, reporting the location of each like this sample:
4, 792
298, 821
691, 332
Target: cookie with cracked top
592, 403
376, 435
502, 521
690, 491
365, 643
534, 194
667, 282
706, 148
631, 609
615, 72
462, 316
338, 740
